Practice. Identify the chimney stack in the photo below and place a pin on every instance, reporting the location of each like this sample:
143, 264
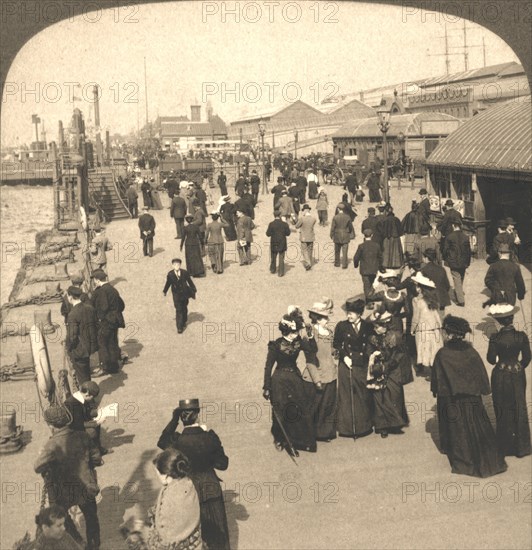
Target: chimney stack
96, 107
362, 96
195, 113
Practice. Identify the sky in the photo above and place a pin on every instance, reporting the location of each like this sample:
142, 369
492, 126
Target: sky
243, 57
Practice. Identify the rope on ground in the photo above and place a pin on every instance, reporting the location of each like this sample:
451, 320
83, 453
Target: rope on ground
46, 279
56, 247
13, 372
36, 300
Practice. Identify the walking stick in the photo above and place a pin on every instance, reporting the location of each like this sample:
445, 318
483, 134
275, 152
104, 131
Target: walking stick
523, 313
351, 394
352, 400
292, 452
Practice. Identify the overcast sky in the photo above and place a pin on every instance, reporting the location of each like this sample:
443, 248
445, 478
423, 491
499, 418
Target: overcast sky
195, 52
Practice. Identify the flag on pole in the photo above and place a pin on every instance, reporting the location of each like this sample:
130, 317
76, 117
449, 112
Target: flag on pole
35, 119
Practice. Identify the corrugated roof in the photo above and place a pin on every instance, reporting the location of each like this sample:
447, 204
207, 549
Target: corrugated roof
269, 114
499, 138
409, 124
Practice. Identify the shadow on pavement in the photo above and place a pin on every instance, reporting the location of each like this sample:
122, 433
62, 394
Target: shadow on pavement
235, 512
132, 348
195, 317
431, 427
135, 497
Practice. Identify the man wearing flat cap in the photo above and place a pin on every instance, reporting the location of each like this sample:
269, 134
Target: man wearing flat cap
109, 307
76, 280
504, 279
82, 335
206, 454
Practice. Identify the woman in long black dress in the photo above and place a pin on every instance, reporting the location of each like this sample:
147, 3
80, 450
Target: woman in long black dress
355, 405
191, 241
459, 380
389, 369
285, 388
508, 382
392, 248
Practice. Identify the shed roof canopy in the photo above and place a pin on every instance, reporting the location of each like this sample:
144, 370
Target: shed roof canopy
409, 124
499, 138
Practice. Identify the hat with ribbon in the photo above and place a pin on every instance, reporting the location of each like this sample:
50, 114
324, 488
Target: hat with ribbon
499, 311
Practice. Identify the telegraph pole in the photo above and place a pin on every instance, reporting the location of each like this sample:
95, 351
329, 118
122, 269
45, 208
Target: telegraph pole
466, 53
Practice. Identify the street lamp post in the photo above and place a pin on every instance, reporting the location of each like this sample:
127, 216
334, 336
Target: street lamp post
296, 136
384, 125
262, 132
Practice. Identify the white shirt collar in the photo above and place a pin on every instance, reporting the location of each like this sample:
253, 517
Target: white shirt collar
78, 396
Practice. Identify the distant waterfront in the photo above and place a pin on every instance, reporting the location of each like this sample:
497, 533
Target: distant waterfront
24, 212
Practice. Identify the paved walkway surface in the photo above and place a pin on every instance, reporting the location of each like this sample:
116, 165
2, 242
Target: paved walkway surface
373, 493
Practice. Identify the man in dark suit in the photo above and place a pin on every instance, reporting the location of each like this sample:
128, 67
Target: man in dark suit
354, 399
423, 210
302, 184
351, 186
178, 211
222, 183
147, 231
278, 189
82, 335
370, 222
245, 205
504, 279
109, 307
244, 234
67, 463
502, 237
436, 273
450, 217
183, 289
172, 186
132, 200
240, 185
66, 307
457, 256
369, 257
277, 230
255, 186
206, 454
341, 233
82, 407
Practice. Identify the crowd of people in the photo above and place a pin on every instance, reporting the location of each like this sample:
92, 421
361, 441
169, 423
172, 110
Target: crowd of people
353, 378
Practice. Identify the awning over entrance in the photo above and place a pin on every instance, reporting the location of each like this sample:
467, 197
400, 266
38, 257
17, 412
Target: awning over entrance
499, 139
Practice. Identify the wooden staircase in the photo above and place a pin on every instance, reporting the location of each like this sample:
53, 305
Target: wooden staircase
105, 193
